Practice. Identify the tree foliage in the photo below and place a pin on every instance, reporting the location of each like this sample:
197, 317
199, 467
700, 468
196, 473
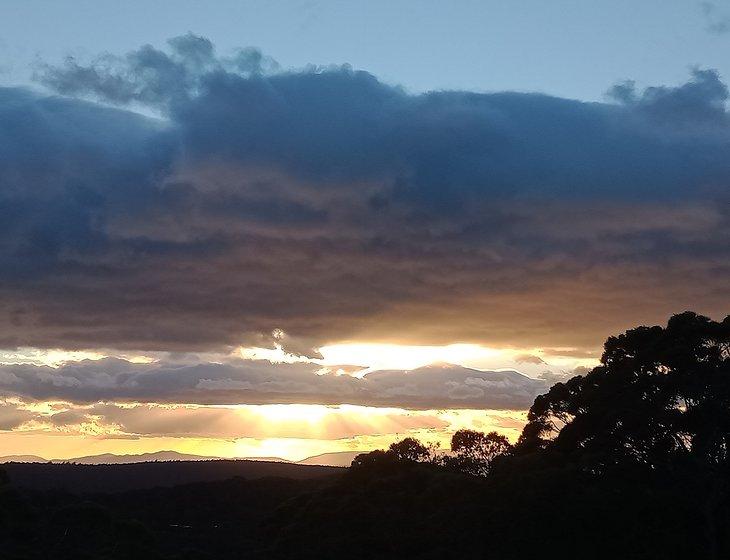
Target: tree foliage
474, 452
660, 394
410, 449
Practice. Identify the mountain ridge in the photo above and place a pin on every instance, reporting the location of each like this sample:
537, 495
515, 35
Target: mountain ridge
337, 458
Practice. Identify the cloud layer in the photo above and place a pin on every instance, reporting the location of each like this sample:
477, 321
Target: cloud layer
261, 382
333, 206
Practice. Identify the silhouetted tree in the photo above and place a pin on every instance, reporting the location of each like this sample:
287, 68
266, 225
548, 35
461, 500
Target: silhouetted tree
378, 460
659, 394
410, 449
475, 451
660, 400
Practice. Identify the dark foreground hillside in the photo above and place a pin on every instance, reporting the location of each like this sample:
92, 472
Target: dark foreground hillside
419, 511
393, 510
80, 478
219, 519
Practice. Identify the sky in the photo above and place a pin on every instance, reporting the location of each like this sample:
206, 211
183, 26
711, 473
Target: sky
567, 48
284, 229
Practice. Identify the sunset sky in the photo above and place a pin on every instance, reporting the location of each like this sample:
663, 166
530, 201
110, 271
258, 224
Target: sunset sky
287, 228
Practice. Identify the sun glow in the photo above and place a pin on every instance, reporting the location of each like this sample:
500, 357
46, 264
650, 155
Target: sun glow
281, 413
60, 430
289, 431
375, 356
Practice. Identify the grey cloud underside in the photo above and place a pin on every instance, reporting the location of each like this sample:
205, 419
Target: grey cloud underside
12, 417
333, 206
260, 382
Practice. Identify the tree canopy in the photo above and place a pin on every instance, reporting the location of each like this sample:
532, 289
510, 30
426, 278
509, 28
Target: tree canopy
660, 394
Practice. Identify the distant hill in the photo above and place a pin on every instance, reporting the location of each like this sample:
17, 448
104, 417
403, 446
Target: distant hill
118, 477
339, 459
22, 459
112, 459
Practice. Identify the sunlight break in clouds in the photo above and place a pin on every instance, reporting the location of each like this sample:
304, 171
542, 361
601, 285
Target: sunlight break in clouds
288, 431
395, 356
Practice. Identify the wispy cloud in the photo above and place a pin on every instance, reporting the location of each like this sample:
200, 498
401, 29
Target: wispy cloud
717, 18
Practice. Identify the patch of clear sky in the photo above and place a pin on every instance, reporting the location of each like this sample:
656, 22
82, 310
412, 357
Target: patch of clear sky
569, 48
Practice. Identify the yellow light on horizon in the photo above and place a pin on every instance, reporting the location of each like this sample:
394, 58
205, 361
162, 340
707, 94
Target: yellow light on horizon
56, 357
397, 356
310, 413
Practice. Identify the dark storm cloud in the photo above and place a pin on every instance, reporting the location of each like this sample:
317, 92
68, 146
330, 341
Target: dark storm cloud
333, 206
261, 382
703, 99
